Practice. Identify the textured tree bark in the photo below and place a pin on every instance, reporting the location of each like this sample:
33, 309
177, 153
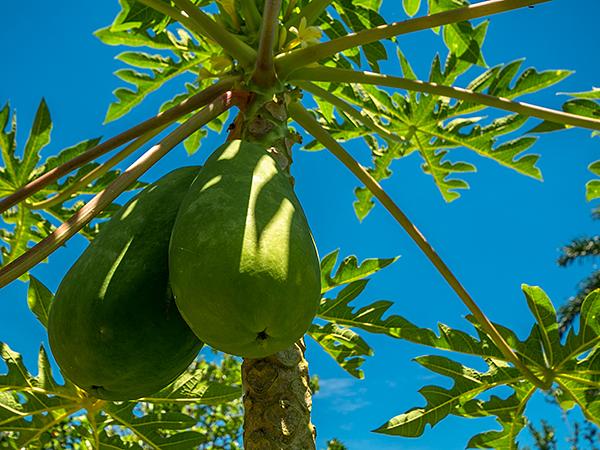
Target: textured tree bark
278, 402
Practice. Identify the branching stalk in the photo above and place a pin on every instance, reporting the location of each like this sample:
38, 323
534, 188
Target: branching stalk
306, 120
264, 71
187, 106
351, 111
203, 24
96, 173
48, 245
350, 76
288, 62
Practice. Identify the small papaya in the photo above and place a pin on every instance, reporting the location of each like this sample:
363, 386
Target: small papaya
113, 327
243, 263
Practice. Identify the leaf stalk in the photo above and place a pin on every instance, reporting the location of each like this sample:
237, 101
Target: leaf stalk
286, 63
52, 242
187, 106
306, 120
264, 71
330, 74
96, 173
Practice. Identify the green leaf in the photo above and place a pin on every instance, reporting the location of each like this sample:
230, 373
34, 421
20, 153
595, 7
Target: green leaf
349, 270
411, 7
545, 315
345, 346
585, 104
433, 126
573, 365
192, 387
39, 137
29, 405
39, 299
151, 428
441, 402
593, 186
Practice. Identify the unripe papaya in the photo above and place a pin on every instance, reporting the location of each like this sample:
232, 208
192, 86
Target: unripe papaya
114, 328
243, 263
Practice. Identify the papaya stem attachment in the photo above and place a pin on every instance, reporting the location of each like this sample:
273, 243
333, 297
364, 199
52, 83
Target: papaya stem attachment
351, 76
52, 242
264, 71
185, 107
312, 126
286, 63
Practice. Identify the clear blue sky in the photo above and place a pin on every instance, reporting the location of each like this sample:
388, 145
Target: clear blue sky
503, 232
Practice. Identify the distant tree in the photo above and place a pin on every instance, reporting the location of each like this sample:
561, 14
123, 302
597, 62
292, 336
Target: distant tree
578, 250
334, 444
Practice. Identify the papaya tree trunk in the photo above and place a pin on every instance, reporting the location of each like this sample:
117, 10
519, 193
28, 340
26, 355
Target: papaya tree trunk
277, 395
278, 402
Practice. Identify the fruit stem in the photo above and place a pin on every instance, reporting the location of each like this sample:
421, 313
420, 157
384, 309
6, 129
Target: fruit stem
264, 71
56, 239
331, 74
306, 120
290, 61
187, 106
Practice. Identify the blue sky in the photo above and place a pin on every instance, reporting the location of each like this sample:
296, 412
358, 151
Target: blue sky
503, 232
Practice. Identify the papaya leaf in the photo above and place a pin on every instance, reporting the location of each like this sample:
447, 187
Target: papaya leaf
593, 186
151, 428
345, 346
349, 269
370, 318
468, 383
433, 126
31, 405
572, 365
39, 298
411, 7
582, 104
191, 387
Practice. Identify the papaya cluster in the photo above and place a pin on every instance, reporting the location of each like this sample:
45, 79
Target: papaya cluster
221, 255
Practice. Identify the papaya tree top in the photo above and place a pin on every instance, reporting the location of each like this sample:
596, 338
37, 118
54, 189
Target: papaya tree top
479, 120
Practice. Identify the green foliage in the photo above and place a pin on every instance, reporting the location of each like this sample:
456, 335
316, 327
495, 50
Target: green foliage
342, 343
585, 104
175, 53
593, 187
584, 436
26, 224
432, 126
572, 365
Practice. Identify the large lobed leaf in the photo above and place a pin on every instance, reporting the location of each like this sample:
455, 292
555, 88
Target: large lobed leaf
572, 365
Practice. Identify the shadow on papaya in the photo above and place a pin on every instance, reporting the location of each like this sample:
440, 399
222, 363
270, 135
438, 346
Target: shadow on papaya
243, 264
114, 328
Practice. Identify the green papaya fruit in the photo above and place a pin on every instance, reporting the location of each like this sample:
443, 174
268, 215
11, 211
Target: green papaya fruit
243, 263
113, 327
